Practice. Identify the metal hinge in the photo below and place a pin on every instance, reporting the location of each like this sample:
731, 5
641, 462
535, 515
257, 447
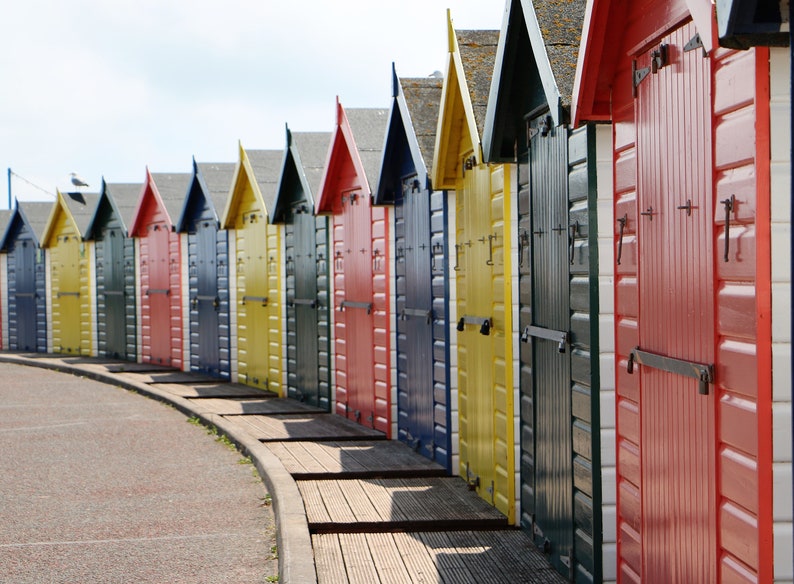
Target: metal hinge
694, 43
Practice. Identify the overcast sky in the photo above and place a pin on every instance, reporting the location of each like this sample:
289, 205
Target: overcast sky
105, 88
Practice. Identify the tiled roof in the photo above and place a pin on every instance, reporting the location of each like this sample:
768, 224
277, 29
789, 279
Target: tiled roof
173, 190
266, 165
312, 147
560, 23
369, 132
82, 207
478, 55
423, 98
218, 177
125, 198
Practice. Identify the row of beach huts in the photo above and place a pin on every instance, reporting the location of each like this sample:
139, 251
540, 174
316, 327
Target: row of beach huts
561, 269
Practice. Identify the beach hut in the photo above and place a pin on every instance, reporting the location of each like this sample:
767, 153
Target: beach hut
115, 270
483, 268
26, 277
5, 220
702, 193
255, 244
560, 309
207, 278
361, 257
307, 276
159, 268
70, 269
421, 273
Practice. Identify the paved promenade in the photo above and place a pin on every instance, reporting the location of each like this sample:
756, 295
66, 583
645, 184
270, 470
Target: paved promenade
98, 484
349, 505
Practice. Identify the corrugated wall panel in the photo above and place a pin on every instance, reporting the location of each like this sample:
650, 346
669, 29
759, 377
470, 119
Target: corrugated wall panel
4, 301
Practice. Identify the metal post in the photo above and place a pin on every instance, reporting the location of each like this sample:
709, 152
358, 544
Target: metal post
9, 188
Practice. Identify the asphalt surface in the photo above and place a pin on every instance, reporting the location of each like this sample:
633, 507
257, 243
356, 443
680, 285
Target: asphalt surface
98, 484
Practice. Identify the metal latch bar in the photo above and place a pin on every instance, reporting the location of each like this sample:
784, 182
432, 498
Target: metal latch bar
704, 373
113, 292
560, 337
485, 323
350, 304
212, 297
417, 312
25, 294
165, 291
305, 302
262, 299
76, 294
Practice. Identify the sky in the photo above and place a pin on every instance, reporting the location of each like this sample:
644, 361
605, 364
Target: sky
106, 88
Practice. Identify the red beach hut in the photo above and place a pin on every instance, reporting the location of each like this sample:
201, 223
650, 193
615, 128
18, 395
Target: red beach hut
158, 252
361, 268
701, 164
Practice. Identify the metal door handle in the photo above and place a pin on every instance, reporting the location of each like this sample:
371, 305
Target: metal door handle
730, 205
573, 231
523, 242
622, 220
485, 323
491, 239
648, 213
703, 372
457, 256
688, 207
560, 337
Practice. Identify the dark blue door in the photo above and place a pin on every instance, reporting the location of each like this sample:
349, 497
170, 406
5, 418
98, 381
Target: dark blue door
415, 383
25, 258
207, 301
115, 302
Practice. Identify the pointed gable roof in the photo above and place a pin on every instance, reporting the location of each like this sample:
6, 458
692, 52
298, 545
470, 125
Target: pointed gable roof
261, 169
413, 118
79, 208
213, 179
359, 135
608, 36
122, 199
33, 214
168, 190
304, 158
464, 99
535, 67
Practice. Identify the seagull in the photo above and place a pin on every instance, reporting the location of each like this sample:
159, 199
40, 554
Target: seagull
77, 181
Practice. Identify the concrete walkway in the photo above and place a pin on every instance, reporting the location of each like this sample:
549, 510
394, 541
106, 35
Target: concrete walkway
100, 485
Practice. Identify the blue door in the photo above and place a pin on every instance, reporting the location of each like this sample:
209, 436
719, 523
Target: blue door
415, 319
207, 301
115, 318
25, 295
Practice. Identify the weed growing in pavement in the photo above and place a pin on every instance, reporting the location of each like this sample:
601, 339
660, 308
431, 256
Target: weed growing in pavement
272, 579
245, 460
267, 500
274, 552
213, 431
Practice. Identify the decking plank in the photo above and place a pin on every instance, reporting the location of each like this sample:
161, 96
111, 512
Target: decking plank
336, 502
313, 502
387, 559
302, 427
328, 559
358, 560
417, 557
259, 405
209, 390
450, 566
360, 503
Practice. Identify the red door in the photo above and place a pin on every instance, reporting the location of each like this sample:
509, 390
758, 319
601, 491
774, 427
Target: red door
676, 312
158, 294
358, 308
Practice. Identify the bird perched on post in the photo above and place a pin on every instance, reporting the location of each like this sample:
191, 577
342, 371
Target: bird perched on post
77, 181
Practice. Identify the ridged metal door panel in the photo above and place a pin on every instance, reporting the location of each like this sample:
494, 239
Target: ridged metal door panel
112, 312
207, 299
23, 261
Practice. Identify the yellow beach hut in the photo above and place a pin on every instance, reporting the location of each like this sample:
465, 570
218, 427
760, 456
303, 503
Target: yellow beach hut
483, 271
255, 283
69, 261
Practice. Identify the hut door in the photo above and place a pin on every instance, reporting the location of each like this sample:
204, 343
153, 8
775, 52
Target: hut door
207, 301
676, 312
68, 295
358, 307
304, 268
159, 295
417, 388
476, 339
549, 387
115, 304
25, 258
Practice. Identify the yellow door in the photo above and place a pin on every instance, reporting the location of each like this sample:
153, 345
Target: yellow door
253, 299
66, 294
485, 339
